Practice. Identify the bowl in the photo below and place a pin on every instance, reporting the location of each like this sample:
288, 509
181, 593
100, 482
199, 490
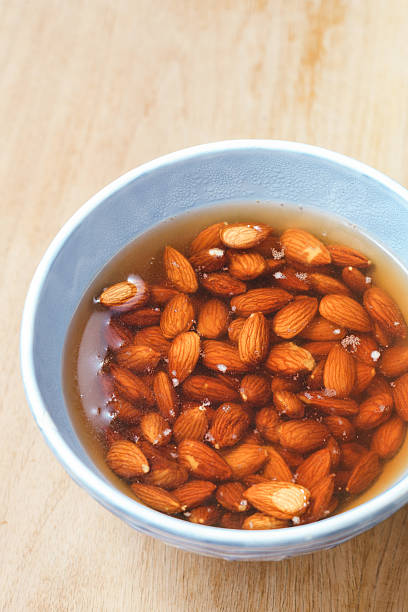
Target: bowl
242, 170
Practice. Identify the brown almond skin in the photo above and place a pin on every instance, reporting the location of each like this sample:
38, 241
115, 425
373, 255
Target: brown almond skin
245, 459
258, 520
124, 411
260, 300
335, 452
117, 335
246, 266
400, 394
168, 475
374, 411
324, 284
328, 404
230, 496
222, 357
363, 347
321, 494
213, 319
385, 311
234, 329
232, 520
191, 424
355, 280
131, 386
288, 358
125, 295
183, 356
255, 389
253, 341
283, 500
209, 260
222, 284
276, 467
267, 421
314, 468
200, 388
339, 371
157, 498
159, 294
364, 376
346, 256
388, 438
194, 493
351, 453
288, 404
144, 317
155, 429
320, 329
202, 461
179, 271
127, 460
302, 247
293, 318
315, 379
229, 425
364, 473
153, 337
205, 515
394, 361
303, 436
318, 349
243, 236
340, 428
137, 358
292, 280
208, 238
166, 397
177, 316
345, 312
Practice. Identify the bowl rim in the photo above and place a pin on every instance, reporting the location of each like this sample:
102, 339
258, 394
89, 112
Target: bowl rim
330, 529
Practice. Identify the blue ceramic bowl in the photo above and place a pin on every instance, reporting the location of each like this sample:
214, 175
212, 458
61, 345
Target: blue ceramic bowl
247, 170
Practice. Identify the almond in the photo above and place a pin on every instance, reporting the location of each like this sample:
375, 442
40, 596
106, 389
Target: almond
385, 311
288, 358
137, 358
127, 460
382, 336
276, 467
283, 500
362, 347
213, 319
222, 357
131, 386
374, 411
288, 404
314, 468
292, 459
303, 436
243, 236
329, 404
222, 284
153, 337
253, 341
204, 515
230, 496
191, 424
245, 459
168, 475
394, 361
400, 393
270, 247
179, 271
207, 238
255, 389
166, 398
351, 454
294, 317
335, 453
272, 265
232, 520
324, 284
339, 371
229, 425
124, 411
292, 280
183, 356
364, 376
202, 388
246, 266
315, 378
346, 256
194, 493
177, 316
234, 329
159, 294
143, 317
260, 300
155, 429
378, 385
258, 520
355, 280
304, 248
341, 480
279, 383
345, 312
117, 335
202, 461
209, 260
364, 473
126, 295
388, 438
157, 498
321, 494
254, 479
267, 421
318, 349
321, 329
340, 428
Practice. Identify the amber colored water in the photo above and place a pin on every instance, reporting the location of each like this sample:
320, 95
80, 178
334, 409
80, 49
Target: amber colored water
85, 346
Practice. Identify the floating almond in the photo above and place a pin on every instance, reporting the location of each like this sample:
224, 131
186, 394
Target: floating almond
351, 453
167, 475
222, 357
294, 317
202, 461
166, 398
385, 311
315, 378
207, 238
232, 520
340, 428
194, 493
321, 329
213, 319
260, 300
283, 500
144, 317
126, 295
324, 284
394, 361
246, 266
374, 411
157, 498
258, 520
388, 438
355, 280
177, 317
303, 436
346, 256
255, 389
364, 473
345, 312
314, 468
222, 284
288, 358
137, 358
400, 394
229, 425
131, 386
124, 411
378, 385
276, 467
234, 329
363, 347
209, 260
288, 404
201, 388
243, 236
179, 271
304, 248
230, 495
245, 459
293, 280
320, 497
339, 371
335, 452
364, 376
159, 294
318, 349
204, 515
253, 341
127, 460
155, 429
191, 424
328, 404
153, 337
267, 421
117, 335
183, 356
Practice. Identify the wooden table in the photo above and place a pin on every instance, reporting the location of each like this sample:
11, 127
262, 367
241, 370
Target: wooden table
92, 89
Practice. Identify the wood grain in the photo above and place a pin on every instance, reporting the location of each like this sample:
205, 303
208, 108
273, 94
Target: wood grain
88, 91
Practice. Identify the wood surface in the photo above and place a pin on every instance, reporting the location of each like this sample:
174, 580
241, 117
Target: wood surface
90, 89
